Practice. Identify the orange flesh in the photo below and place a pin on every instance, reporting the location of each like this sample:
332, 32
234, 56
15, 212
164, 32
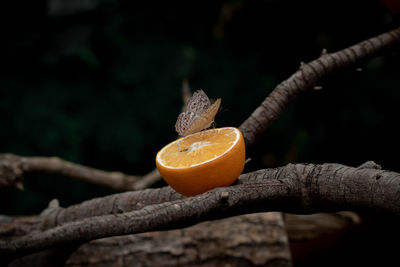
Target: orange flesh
192, 150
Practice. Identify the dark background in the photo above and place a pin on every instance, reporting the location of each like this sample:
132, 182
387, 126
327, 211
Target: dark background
99, 83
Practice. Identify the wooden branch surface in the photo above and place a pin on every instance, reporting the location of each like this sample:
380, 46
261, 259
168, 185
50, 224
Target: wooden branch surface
296, 188
250, 240
254, 238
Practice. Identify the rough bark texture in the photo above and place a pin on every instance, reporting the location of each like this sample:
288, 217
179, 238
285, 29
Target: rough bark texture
12, 228
249, 240
233, 240
307, 77
297, 188
113, 204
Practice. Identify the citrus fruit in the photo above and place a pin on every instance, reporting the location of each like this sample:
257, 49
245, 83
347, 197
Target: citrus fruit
202, 161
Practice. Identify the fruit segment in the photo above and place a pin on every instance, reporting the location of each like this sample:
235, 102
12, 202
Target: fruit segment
198, 148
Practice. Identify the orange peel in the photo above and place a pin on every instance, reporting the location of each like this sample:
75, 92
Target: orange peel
202, 161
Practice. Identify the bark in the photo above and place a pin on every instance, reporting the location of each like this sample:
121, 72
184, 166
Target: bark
12, 228
113, 204
307, 77
256, 239
249, 240
296, 188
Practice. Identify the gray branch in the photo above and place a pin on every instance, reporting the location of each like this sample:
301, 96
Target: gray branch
295, 188
12, 168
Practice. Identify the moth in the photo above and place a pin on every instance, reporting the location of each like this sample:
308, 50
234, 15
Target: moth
198, 114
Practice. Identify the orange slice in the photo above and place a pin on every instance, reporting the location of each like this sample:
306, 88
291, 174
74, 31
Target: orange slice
202, 161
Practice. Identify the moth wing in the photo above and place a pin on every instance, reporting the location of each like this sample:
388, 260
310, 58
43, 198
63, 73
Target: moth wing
198, 103
185, 119
204, 120
209, 114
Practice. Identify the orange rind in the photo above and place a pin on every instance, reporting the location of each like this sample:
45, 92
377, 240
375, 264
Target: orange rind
202, 161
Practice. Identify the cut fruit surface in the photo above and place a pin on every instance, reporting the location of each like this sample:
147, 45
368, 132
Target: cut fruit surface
202, 161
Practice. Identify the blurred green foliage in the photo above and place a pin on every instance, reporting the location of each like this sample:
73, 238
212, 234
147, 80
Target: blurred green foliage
101, 87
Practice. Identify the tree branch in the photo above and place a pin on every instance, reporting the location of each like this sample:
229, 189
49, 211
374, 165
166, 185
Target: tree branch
235, 241
13, 167
236, 238
113, 204
296, 188
306, 78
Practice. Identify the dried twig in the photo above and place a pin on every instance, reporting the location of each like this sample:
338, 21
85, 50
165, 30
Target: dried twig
12, 168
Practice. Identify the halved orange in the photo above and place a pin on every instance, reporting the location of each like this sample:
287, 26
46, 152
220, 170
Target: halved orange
202, 161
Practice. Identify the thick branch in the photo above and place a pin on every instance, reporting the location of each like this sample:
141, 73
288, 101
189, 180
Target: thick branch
248, 240
307, 77
123, 202
238, 238
113, 204
298, 188
13, 167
